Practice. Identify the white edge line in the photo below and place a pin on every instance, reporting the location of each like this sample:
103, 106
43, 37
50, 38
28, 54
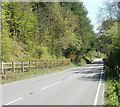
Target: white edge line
50, 85
14, 101
98, 89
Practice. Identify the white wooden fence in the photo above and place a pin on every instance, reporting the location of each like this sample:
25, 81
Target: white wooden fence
26, 66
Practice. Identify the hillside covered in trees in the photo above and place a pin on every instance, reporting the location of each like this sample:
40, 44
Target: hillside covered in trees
45, 30
109, 43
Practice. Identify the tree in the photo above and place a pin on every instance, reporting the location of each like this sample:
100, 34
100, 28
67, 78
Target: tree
46, 28
110, 35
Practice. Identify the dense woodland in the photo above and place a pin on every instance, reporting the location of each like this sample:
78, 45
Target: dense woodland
45, 30
109, 35
109, 43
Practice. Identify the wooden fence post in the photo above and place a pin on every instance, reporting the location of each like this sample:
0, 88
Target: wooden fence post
2, 69
22, 66
36, 66
30, 65
51, 65
43, 64
55, 64
13, 66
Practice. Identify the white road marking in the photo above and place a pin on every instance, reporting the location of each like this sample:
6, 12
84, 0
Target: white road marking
98, 89
14, 101
50, 85
70, 76
54, 83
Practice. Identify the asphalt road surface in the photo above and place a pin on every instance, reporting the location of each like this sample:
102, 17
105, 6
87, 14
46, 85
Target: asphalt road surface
82, 85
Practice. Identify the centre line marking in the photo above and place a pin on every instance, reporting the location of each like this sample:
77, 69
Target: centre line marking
14, 101
50, 85
71, 76
97, 93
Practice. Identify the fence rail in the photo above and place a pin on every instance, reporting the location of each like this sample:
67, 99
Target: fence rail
26, 66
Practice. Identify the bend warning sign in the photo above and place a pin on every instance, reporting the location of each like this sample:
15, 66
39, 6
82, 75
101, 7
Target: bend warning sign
71, 56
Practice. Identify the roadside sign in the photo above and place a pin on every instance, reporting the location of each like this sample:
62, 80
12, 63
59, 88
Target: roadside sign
72, 56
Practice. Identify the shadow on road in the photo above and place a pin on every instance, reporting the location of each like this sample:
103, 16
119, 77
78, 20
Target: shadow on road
87, 70
90, 72
95, 77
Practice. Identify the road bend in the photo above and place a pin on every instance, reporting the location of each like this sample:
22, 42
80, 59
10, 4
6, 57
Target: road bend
82, 85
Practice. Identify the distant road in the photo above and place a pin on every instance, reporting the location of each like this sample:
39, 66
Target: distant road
77, 86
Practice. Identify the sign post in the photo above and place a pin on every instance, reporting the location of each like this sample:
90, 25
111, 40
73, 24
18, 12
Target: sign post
72, 58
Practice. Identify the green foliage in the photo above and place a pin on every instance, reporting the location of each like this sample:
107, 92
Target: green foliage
110, 44
42, 30
112, 92
6, 41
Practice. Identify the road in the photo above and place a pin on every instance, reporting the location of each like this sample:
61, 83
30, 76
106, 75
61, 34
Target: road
82, 85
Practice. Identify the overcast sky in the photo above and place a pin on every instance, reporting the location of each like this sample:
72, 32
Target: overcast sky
93, 8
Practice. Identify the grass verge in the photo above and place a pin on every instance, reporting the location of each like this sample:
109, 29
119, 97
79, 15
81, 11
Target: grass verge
11, 77
112, 89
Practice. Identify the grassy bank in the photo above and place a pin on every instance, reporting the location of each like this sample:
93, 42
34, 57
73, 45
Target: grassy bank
112, 89
11, 77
